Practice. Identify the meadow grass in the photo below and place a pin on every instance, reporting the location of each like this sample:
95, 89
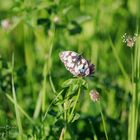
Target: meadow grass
40, 98
18, 119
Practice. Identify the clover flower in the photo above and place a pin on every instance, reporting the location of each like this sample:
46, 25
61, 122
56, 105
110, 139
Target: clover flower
76, 64
94, 95
129, 40
5, 23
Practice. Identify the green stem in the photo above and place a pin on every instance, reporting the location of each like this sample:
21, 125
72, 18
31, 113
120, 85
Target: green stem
93, 131
133, 105
118, 60
62, 133
78, 95
44, 87
38, 105
133, 117
137, 102
65, 112
50, 51
52, 104
51, 83
104, 125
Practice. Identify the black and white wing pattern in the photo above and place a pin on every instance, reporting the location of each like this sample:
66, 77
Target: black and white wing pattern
76, 64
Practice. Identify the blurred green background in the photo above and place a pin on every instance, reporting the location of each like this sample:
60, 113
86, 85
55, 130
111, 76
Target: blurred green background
36, 31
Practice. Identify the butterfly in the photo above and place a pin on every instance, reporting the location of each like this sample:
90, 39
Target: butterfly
76, 64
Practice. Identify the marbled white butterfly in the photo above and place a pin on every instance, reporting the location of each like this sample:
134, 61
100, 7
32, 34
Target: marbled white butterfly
76, 64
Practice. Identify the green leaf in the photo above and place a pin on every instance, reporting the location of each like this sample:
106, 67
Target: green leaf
76, 117
68, 83
82, 19
84, 83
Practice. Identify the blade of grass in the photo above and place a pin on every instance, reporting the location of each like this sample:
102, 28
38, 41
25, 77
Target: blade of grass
15, 102
51, 83
20, 108
46, 71
62, 134
38, 106
138, 66
118, 60
103, 120
134, 112
93, 131
44, 87
134, 104
130, 127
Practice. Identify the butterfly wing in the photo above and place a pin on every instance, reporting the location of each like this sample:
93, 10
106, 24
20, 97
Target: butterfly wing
69, 60
75, 63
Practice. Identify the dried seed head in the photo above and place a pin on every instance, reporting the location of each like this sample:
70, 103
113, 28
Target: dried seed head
129, 40
94, 95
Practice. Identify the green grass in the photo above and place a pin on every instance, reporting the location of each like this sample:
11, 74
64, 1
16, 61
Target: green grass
40, 99
18, 119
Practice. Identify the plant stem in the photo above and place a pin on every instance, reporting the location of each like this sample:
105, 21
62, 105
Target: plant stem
78, 95
62, 134
38, 106
102, 116
52, 104
93, 131
118, 59
44, 87
134, 108
52, 85
133, 116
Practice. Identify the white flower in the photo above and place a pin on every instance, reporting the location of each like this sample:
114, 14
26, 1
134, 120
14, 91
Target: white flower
129, 40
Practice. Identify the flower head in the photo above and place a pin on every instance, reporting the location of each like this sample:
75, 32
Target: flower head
94, 95
129, 40
56, 19
76, 64
5, 23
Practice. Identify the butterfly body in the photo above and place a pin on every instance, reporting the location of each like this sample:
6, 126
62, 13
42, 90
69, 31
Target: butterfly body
76, 64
